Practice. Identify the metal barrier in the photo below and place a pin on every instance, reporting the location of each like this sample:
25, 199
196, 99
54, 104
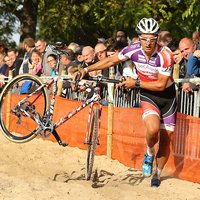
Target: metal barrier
188, 103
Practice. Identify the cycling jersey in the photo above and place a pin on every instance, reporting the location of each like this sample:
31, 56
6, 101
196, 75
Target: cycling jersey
161, 62
161, 103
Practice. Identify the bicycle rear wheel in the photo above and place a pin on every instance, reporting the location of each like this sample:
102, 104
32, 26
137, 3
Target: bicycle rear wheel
92, 142
18, 108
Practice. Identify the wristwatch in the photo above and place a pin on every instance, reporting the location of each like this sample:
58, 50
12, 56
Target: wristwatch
137, 84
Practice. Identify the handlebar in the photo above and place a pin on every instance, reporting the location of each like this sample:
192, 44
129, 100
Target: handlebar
103, 79
99, 79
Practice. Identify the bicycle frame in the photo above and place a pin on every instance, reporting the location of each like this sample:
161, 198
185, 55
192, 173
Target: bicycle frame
93, 101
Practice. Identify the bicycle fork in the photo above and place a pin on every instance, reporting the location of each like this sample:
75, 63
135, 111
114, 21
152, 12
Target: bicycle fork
92, 105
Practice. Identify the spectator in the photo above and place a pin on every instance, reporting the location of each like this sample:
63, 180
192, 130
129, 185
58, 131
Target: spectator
61, 44
16, 60
2, 47
109, 41
3, 65
194, 64
135, 39
118, 46
89, 58
176, 51
78, 53
101, 40
45, 49
121, 35
100, 52
110, 50
28, 46
73, 46
178, 58
186, 47
68, 60
164, 38
195, 37
9, 64
35, 67
72, 69
52, 59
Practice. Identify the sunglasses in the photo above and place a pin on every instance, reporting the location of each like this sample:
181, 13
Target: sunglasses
151, 40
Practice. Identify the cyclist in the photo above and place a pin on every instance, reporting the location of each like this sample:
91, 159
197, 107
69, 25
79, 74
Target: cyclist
157, 92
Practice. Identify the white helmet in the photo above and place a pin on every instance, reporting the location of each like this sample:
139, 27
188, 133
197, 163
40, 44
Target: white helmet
147, 26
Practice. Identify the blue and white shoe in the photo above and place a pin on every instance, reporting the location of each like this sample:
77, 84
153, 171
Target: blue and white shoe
147, 165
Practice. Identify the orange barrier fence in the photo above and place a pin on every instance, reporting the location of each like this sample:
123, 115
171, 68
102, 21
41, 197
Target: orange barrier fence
129, 138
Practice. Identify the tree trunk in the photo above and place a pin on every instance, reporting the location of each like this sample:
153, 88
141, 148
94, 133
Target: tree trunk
28, 19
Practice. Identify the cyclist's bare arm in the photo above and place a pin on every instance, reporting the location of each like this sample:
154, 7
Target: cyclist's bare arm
103, 64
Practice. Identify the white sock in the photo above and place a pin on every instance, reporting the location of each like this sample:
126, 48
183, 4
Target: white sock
157, 173
150, 151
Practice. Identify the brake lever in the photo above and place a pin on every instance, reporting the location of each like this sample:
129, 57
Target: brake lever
78, 76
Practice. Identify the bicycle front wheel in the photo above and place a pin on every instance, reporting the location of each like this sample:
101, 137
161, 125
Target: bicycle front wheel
18, 108
92, 142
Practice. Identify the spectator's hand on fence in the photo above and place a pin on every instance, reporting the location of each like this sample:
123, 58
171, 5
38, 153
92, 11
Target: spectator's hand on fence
187, 88
198, 79
196, 54
2, 83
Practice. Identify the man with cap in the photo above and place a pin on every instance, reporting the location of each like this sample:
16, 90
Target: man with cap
61, 44
68, 60
78, 53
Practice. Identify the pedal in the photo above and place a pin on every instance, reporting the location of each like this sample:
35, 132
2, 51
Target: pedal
63, 144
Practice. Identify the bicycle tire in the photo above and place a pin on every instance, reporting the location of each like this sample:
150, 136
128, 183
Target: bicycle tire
15, 125
92, 142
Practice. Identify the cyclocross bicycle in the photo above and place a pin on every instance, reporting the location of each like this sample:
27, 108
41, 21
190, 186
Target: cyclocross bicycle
25, 115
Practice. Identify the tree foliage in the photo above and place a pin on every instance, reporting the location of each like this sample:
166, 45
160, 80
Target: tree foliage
62, 19
79, 20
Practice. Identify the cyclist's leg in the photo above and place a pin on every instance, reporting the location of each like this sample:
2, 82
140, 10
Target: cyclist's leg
152, 123
164, 148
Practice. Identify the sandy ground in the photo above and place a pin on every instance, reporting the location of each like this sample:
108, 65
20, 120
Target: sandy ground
42, 170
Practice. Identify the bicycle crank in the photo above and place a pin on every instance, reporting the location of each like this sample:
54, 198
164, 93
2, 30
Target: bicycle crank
45, 127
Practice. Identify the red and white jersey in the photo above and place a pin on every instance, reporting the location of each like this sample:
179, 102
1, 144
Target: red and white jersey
161, 62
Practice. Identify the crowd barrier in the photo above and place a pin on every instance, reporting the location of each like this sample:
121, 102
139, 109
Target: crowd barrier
129, 136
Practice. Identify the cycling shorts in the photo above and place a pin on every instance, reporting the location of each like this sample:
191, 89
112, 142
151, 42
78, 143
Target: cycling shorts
161, 103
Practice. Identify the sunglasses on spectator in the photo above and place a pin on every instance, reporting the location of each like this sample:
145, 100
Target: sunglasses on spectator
122, 36
151, 40
100, 52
